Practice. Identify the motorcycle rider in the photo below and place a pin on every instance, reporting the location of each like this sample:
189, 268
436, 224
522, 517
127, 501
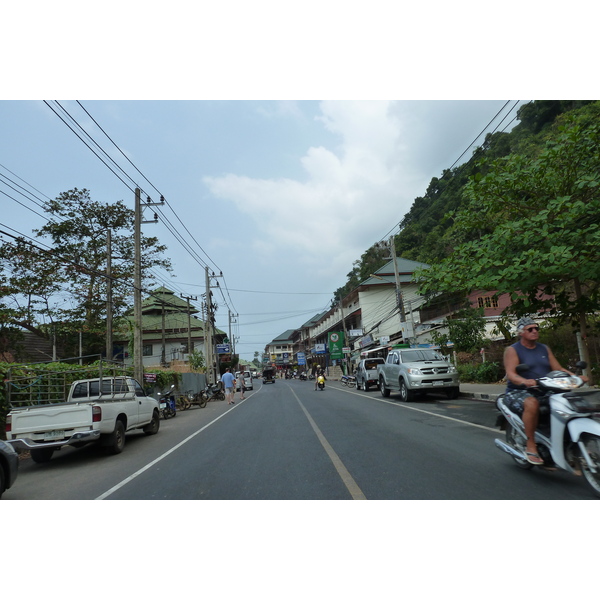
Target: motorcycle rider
540, 360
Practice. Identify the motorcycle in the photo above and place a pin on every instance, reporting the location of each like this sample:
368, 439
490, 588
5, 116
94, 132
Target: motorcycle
349, 380
321, 382
214, 391
167, 404
568, 433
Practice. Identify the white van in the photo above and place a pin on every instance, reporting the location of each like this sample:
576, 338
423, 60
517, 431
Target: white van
248, 384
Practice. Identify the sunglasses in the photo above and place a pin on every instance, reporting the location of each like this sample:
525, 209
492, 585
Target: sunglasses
530, 329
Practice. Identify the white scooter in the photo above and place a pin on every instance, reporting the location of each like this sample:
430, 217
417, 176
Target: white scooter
568, 433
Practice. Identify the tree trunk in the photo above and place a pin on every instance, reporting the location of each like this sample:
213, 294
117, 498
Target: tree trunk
584, 353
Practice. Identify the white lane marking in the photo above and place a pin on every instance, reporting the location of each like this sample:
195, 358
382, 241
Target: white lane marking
125, 481
419, 410
355, 492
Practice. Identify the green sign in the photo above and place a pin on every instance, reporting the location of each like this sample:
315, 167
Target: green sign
336, 344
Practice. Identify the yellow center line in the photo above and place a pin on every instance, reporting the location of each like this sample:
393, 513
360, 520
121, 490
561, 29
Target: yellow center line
347, 479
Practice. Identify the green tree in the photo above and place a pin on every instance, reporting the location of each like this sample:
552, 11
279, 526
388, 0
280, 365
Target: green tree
530, 227
67, 285
465, 331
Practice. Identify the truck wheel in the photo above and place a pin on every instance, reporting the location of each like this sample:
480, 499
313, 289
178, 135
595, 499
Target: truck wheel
365, 385
452, 393
116, 440
154, 425
405, 394
42, 455
384, 391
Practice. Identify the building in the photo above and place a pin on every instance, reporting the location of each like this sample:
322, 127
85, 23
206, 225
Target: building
169, 324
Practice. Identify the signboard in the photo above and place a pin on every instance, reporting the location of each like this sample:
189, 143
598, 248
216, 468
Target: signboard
336, 343
301, 358
150, 377
368, 339
223, 349
286, 357
346, 350
355, 333
320, 349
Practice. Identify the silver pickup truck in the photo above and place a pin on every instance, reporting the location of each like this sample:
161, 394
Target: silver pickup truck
414, 371
95, 410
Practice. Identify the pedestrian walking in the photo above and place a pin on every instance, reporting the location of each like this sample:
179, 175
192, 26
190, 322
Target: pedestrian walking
229, 382
240, 382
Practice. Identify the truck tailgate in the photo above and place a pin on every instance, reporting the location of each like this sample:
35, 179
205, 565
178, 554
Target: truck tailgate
49, 418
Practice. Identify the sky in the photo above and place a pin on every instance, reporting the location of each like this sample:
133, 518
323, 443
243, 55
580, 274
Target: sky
280, 196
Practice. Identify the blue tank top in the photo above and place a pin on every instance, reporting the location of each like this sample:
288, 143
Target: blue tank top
537, 360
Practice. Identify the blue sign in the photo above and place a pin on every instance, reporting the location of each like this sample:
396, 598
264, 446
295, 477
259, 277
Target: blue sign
223, 349
301, 358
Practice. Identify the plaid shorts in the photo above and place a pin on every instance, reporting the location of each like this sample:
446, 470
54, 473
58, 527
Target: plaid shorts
515, 400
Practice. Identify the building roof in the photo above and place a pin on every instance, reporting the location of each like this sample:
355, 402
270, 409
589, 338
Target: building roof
385, 275
164, 297
286, 336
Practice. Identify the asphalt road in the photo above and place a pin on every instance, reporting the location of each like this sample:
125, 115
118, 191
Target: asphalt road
288, 441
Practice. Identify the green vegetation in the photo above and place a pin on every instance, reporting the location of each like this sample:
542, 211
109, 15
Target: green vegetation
520, 217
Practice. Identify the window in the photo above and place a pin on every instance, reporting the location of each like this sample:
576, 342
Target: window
487, 302
147, 350
80, 391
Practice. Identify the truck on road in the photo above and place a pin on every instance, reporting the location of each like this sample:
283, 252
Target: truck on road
414, 371
95, 410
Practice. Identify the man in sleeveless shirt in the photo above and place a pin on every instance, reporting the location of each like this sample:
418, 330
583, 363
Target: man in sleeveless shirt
527, 350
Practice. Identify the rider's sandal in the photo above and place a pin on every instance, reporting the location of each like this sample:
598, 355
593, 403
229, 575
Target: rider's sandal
534, 458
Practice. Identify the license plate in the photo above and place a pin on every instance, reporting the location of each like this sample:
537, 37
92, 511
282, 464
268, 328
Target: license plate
438, 383
56, 434
163, 405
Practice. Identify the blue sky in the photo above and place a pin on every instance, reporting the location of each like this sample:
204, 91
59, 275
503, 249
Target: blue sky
280, 196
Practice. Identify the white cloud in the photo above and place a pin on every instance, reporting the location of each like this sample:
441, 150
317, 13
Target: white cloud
351, 196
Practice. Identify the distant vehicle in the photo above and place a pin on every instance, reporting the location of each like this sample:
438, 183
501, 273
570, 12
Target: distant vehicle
366, 373
268, 376
9, 466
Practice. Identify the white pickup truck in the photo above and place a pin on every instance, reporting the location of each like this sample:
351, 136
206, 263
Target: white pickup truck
100, 409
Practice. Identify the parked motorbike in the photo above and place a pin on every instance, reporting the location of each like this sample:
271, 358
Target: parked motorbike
167, 404
214, 391
349, 380
568, 433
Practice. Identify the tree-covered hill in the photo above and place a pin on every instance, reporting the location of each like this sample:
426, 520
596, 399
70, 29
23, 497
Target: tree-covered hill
425, 231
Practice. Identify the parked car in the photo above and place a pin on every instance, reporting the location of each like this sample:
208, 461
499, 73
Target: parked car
366, 373
9, 466
416, 371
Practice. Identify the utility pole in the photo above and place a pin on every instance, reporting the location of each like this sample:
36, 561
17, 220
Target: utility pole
163, 357
109, 342
399, 300
345, 360
209, 325
138, 359
189, 315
